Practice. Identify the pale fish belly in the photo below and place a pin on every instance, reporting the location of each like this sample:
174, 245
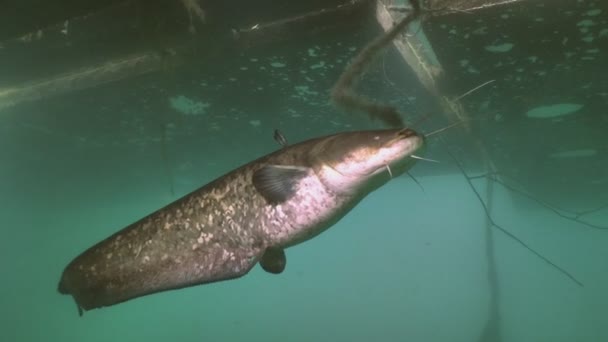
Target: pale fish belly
310, 212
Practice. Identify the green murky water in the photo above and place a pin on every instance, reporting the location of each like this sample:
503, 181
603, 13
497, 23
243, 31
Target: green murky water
408, 264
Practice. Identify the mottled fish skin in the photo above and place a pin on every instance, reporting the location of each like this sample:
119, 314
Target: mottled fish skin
221, 230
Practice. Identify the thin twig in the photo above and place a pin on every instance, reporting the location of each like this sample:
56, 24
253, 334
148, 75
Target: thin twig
506, 232
571, 215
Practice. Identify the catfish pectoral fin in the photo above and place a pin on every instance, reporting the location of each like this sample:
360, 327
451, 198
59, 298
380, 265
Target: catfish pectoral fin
95, 282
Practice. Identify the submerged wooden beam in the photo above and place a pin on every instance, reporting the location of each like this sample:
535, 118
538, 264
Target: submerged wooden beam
85, 78
441, 7
177, 53
413, 47
418, 53
313, 22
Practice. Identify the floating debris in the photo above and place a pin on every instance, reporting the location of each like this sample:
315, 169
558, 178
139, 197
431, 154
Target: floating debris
319, 65
312, 52
187, 106
506, 47
553, 111
585, 23
277, 65
304, 91
580, 153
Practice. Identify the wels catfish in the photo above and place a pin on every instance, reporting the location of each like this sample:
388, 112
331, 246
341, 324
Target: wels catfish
249, 215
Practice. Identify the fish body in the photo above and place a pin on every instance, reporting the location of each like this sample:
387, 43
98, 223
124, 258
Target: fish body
249, 215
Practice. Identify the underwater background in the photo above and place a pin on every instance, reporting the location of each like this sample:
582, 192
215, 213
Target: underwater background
409, 263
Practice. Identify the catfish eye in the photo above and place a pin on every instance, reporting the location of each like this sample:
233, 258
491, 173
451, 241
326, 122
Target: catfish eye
406, 133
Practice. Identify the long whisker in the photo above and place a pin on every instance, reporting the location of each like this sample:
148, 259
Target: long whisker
425, 159
444, 128
415, 181
474, 89
388, 168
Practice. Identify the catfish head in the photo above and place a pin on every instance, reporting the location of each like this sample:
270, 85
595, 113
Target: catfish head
354, 162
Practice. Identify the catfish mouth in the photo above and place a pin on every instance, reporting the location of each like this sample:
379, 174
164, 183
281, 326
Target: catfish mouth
412, 143
403, 158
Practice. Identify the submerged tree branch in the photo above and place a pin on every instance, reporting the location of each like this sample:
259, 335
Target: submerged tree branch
491, 330
343, 93
563, 213
469, 180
